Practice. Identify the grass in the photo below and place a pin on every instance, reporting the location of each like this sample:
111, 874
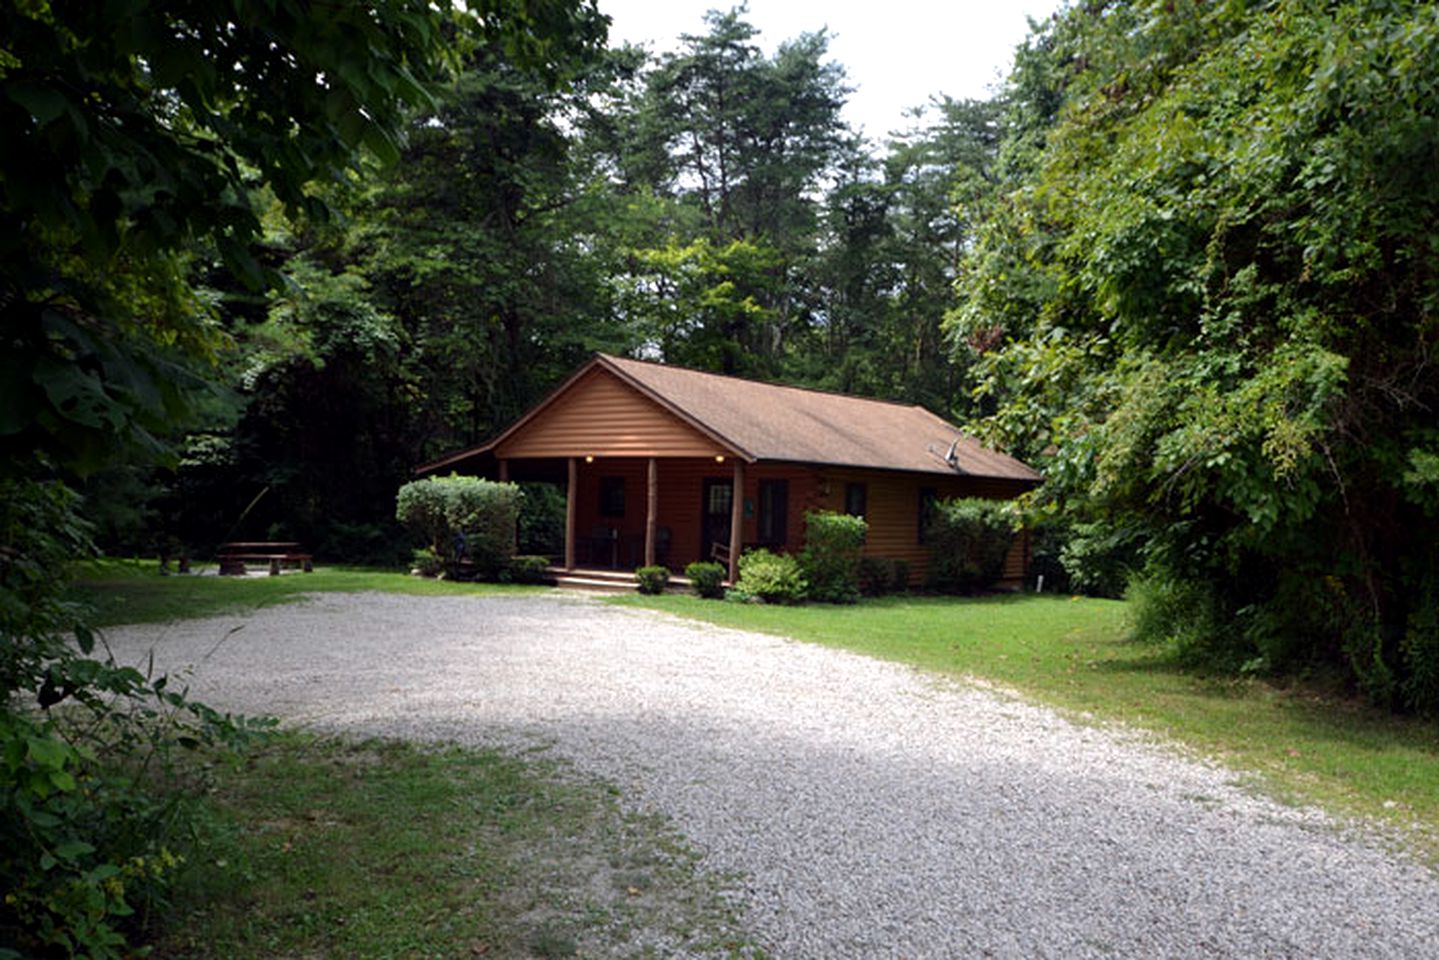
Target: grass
381, 849
132, 591
1074, 654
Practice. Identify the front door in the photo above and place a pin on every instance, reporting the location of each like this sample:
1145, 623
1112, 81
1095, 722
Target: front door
715, 515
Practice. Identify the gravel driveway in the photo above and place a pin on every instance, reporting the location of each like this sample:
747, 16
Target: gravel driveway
868, 810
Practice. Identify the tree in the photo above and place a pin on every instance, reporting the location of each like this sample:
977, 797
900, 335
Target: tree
1223, 317
138, 143
899, 231
740, 143
136, 138
458, 287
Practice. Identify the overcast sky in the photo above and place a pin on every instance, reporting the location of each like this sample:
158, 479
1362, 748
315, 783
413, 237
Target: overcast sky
896, 53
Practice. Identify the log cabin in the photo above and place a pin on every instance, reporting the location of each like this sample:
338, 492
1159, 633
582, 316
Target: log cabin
666, 465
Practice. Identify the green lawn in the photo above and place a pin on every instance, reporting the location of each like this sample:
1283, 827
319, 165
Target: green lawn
132, 591
1074, 654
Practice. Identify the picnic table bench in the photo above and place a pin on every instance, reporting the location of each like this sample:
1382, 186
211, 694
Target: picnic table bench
278, 554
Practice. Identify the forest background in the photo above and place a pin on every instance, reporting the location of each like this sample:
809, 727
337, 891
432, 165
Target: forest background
1183, 262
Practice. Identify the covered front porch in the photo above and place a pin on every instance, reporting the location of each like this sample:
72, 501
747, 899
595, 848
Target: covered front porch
625, 512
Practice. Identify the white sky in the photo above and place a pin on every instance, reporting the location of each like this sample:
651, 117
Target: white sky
896, 53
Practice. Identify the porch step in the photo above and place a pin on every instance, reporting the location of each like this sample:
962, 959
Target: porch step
606, 581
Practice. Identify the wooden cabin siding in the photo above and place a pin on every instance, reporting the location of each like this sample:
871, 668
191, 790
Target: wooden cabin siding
602, 417
892, 510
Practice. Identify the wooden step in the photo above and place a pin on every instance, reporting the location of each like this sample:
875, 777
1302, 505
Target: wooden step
607, 581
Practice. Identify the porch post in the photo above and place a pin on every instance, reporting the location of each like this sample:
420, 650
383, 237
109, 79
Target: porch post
652, 502
571, 492
736, 520
504, 471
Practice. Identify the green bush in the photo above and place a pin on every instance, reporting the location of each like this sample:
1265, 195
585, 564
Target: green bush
652, 580
542, 519
427, 563
463, 518
1421, 655
969, 539
706, 579
881, 575
94, 811
528, 569
1099, 558
1182, 615
771, 577
831, 556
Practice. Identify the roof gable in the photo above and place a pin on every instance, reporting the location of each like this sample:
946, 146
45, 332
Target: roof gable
601, 414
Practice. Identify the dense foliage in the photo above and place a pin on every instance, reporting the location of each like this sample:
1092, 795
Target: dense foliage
831, 555
469, 523
706, 579
146, 151
652, 580
1211, 294
969, 539
93, 825
770, 577
882, 575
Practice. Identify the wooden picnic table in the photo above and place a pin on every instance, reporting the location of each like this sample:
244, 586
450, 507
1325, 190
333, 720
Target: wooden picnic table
278, 553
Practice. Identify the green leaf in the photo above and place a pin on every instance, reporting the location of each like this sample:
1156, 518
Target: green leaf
48, 753
73, 849
44, 103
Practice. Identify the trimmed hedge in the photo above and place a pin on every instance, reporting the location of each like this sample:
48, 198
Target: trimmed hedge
881, 575
652, 580
831, 556
771, 577
464, 518
527, 569
706, 579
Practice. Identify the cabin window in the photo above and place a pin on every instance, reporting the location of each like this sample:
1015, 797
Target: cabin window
773, 526
854, 496
927, 500
612, 496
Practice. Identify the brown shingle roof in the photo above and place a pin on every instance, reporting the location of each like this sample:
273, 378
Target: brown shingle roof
766, 421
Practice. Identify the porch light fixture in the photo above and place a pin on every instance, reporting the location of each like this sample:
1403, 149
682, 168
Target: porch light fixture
589, 458
719, 458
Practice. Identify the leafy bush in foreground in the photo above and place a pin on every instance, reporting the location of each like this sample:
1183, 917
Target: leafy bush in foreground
93, 813
881, 575
527, 569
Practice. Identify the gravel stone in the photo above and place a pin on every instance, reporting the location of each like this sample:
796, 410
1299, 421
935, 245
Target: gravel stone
867, 809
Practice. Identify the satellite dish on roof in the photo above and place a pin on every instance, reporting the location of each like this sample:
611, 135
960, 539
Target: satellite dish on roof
950, 456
